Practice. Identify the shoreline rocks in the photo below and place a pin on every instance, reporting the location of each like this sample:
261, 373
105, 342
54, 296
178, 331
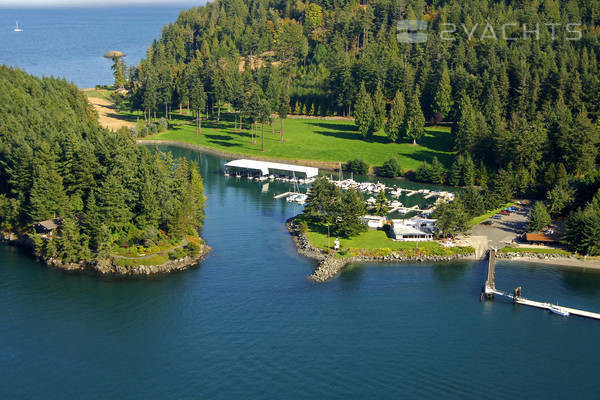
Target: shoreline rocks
541, 256
329, 266
107, 267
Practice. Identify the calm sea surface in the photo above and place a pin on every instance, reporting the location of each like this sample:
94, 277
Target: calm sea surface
247, 323
71, 42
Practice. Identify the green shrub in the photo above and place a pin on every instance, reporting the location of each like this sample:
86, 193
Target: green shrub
357, 166
163, 125
192, 249
303, 226
391, 168
177, 254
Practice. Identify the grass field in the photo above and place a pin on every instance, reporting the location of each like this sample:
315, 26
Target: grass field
312, 139
376, 242
99, 93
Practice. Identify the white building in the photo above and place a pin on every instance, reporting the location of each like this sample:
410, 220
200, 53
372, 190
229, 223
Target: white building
373, 221
264, 168
413, 230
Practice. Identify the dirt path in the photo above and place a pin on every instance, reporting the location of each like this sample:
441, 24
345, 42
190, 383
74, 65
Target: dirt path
108, 115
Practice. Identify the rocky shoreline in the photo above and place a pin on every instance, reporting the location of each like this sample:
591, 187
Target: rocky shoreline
541, 256
329, 266
107, 267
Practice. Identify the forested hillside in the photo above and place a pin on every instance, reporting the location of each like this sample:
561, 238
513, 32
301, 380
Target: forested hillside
56, 162
525, 105
518, 80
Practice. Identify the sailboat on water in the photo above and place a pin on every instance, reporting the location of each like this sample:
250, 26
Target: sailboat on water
17, 29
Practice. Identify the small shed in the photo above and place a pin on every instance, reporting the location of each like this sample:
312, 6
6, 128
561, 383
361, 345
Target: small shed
540, 238
48, 226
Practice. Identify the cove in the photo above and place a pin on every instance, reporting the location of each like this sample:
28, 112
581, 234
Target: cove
247, 323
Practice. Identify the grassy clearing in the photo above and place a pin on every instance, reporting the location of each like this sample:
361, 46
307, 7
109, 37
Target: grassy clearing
99, 93
137, 251
377, 243
154, 260
490, 214
311, 139
534, 250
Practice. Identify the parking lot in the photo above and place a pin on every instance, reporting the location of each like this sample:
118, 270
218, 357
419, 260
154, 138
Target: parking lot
504, 230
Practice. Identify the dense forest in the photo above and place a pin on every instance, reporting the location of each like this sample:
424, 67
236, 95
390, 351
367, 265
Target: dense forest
523, 98
56, 162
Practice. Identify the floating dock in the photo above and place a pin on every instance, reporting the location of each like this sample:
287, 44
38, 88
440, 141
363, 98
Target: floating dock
490, 290
279, 196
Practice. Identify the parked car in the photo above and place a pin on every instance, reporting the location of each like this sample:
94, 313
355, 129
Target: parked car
487, 222
504, 212
497, 216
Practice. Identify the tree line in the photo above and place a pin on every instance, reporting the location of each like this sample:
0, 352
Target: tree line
56, 161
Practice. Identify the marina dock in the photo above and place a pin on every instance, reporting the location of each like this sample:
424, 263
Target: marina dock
490, 291
279, 196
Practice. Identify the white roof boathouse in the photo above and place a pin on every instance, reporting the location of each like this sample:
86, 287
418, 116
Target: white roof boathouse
263, 168
413, 230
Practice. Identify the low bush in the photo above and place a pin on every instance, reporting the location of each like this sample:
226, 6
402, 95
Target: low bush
357, 166
390, 169
177, 254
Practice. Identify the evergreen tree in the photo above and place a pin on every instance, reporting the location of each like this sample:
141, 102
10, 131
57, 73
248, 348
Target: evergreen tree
378, 108
197, 103
364, 114
414, 121
539, 217
443, 95
283, 110
381, 205
390, 168
452, 219
396, 117
347, 221
465, 130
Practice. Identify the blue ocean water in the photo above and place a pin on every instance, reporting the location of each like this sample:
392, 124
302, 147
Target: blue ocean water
71, 42
246, 323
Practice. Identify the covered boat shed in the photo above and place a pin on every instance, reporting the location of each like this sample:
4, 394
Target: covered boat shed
265, 168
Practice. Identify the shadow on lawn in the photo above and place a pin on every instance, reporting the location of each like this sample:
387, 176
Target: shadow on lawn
427, 155
335, 126
353, 135
219, 137
224, 143
437, 140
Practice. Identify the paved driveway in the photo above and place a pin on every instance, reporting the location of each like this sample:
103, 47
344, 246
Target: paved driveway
504, 230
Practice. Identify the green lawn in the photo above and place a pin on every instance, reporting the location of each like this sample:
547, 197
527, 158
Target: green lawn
376, 242
489, 214
313, 139
99, 93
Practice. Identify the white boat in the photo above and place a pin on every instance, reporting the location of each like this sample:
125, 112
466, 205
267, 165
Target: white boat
558, 310
17, 29
301, 198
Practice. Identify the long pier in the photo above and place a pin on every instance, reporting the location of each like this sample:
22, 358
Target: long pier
490, 290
